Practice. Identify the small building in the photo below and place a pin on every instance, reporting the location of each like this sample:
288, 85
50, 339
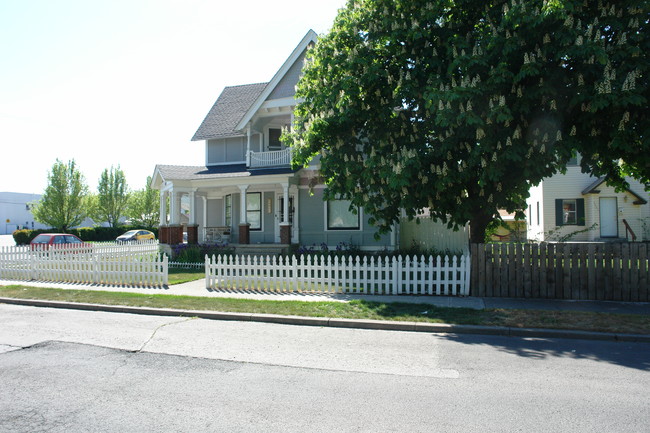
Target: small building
15, 212
580, 207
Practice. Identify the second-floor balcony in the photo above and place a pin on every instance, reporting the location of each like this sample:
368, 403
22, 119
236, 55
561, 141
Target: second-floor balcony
271, 158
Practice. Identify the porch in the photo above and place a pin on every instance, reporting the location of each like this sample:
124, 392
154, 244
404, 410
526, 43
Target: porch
242, 208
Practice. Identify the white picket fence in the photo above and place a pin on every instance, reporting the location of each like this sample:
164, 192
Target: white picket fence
375, 276
119, 265
114, 248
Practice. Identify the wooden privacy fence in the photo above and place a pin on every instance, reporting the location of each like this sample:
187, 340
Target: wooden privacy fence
375, 276
580, 271
82, 265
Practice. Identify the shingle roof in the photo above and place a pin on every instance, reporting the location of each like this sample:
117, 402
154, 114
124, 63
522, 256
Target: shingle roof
184, 172
591, 189
230, 107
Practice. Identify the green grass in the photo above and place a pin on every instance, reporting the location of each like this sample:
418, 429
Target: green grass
357, 309
178, 275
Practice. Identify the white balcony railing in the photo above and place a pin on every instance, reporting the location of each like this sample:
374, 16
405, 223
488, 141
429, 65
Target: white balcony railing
272, 158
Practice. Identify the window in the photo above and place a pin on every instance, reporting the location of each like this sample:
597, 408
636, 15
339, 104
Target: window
254, 210
228, 210
537, 213
339, 216
570, 212
274, 139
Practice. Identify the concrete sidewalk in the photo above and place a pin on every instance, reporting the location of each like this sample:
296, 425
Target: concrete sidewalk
197, 288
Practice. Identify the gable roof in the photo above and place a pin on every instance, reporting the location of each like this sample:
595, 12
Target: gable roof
224, 115
309, 38
591, 189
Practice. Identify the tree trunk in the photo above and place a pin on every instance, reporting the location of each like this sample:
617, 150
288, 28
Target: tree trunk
478, 224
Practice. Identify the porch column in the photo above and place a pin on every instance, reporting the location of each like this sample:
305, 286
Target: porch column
205, 216
163, 208
163, 230
192, 226
285, 225
175, 228
248, 145
244, 226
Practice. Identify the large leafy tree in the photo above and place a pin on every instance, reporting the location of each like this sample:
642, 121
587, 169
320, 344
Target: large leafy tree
144, 206
460, 106
63, 203
112, 196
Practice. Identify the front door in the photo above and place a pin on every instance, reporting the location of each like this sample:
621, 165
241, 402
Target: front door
608, 217
279, 217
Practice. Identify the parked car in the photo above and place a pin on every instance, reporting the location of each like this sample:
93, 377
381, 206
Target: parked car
136, 235
59, 240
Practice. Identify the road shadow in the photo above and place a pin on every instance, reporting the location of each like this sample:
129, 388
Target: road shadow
625, 354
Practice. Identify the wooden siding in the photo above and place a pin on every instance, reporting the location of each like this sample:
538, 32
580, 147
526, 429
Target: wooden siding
429, 234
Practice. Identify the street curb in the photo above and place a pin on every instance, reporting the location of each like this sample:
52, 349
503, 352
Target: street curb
438, 328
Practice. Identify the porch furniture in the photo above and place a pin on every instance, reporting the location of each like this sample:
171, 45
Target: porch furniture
219, 234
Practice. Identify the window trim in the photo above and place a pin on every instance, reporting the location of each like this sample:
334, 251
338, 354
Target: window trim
339, 229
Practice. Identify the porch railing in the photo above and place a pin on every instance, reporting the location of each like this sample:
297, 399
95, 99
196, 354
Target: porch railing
272, 158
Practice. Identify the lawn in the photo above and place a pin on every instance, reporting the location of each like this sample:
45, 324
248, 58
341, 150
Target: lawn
357, 309
179, 275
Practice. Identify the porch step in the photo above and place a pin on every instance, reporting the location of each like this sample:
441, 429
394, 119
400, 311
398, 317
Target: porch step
260, 250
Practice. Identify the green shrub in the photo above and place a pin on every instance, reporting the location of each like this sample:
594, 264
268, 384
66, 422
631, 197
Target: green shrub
186, 253
21, 237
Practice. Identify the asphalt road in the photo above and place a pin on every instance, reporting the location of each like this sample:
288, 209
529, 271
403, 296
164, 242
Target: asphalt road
77, 371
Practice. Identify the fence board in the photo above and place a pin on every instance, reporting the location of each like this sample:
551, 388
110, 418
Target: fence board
534, 257
474, 275
583, 263
489, 269
644, 282
543, 266
527, 271
481, 270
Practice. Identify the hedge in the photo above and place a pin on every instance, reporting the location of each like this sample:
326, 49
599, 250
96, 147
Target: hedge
92, 234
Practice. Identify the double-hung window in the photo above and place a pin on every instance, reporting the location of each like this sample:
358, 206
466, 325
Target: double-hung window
569, 212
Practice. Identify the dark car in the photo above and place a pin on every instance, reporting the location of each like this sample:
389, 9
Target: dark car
58, 240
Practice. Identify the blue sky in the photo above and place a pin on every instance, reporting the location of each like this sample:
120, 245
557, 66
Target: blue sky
128, 82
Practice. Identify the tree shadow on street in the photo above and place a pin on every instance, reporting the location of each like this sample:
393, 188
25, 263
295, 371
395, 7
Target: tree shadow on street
625, 354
